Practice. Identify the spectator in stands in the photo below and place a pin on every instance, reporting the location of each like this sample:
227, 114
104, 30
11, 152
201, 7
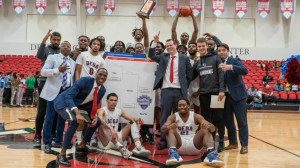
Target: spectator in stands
260, 65
267, 66
268, 96
278, 86
83, 44
275, 65
2, 84
267, 79
295, 88
20, 91
15, 81
254, 96
30, 80
288, 86
7, 89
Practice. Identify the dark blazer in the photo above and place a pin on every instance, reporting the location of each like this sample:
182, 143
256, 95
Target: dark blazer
75, 95
185, 72
234, 81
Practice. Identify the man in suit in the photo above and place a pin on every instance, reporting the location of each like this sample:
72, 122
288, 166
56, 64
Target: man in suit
236, 100
84, 95
59, 70
173, 77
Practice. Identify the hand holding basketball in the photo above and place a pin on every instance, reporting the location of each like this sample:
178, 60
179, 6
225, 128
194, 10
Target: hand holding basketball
185, 11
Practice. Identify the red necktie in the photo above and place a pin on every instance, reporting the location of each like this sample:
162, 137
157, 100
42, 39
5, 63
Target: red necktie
94, 108
172, 69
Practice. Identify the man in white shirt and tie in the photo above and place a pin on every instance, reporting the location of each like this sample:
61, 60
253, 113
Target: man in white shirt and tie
59, 70
173, 77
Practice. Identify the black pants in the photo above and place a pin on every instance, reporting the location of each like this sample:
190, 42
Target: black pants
29, 95
7, 95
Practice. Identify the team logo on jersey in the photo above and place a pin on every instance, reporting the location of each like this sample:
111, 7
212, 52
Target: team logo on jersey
144, 101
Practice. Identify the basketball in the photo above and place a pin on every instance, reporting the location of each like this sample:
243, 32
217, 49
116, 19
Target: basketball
185, 11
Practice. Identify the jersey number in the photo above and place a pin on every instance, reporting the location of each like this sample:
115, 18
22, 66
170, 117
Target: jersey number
91, 71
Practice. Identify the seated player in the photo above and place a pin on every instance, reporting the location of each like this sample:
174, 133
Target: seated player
109, 137
187, 133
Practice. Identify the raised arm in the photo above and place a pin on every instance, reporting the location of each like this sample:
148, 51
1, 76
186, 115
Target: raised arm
195, 32
174, 25
151, 53
146, 35
41, 51
128, 117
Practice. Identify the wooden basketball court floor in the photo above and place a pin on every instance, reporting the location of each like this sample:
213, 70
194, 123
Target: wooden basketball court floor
274, 141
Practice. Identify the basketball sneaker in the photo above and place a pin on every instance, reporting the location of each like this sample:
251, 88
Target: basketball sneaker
212, 159
141, 151
124, 152
174, 157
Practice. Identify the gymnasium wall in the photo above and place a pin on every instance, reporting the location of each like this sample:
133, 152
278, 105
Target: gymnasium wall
264, 38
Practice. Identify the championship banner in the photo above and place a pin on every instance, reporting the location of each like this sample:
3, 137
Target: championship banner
40, 6
1, 3
217, 7
131, 77
172, 7
154, 8
240, 8
109, 6
64, 5
287, 8
196, 6
91, 6
263, 8
19, 5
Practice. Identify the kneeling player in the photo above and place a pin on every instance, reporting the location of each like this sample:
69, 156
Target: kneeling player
109, 137
187, 133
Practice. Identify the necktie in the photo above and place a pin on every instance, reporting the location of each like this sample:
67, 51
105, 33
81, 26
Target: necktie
172, 69
94, 107
65, 75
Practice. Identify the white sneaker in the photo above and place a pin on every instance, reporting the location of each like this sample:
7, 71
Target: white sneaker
93, 142
141, 151
125, 152
212, 159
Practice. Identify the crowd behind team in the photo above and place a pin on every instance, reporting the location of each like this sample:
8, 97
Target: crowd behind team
190, 73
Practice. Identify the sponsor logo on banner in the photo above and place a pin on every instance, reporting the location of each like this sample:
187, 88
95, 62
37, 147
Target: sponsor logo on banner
154, 8
1, 3
64, 6
40, 6
91, 6
172, 6
144, 101
19, 5
263, 8
287, 8
196, 6
217, 7
109, 6
240, 8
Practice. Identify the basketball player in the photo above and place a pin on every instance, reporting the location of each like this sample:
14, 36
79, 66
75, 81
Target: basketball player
109, 137
87, 64
189, 133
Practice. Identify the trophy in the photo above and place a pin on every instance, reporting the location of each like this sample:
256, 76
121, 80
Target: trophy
146, 9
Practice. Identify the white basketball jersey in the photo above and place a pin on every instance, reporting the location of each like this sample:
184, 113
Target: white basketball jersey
90, 64
186, 129
112, 118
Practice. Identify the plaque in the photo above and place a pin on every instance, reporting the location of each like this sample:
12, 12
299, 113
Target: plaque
146, 9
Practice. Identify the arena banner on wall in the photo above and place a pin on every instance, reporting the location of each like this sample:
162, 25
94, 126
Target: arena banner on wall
40, 6
109, 6
64, 6
154, 8
196, 6
217, 7
240, 8
131, 77
91, 6
1, 3
263, 8
172, 7
287, 8
19, 6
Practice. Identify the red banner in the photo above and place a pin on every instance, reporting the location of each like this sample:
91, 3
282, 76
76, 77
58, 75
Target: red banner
64, 5
172, 6
40, 6
1, 3
109, 6
263, 8
240, 8
287, 8
19, 5
91, 6
154, 8
217, 7
196, 6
